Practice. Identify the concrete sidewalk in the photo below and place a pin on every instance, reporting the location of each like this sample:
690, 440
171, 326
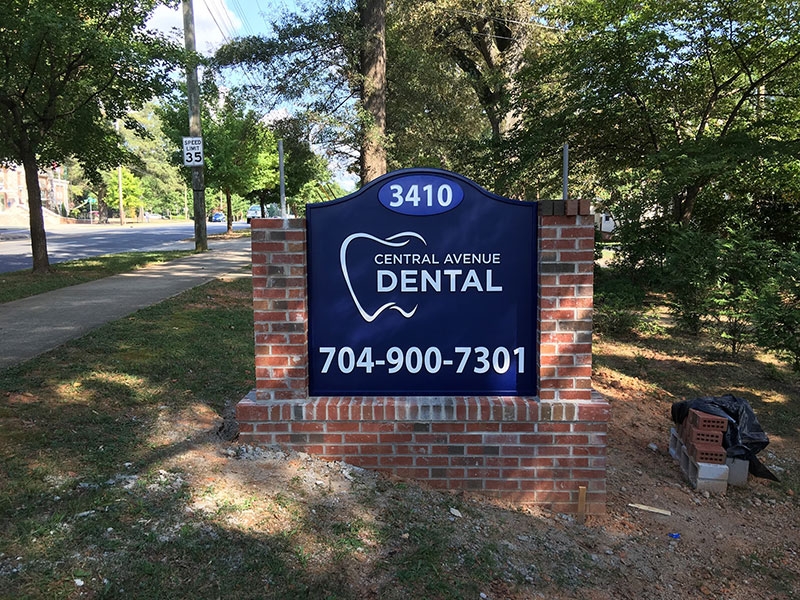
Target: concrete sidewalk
34, 325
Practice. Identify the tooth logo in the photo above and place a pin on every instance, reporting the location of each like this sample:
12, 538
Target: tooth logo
393, 241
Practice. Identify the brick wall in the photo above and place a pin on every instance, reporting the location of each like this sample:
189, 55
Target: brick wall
548, 450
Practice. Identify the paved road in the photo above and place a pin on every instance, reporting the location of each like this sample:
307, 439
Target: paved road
68, 242
34, 325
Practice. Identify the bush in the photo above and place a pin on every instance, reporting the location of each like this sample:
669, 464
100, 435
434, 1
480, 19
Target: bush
717, 281
617, 303
692, 273
776, 315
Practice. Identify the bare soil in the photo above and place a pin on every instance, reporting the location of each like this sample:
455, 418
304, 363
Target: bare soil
741, 545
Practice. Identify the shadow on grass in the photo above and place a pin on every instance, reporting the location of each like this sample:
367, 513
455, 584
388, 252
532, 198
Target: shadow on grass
90, 507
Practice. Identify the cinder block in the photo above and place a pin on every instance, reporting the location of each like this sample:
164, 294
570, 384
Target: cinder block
715, 486
710, 471
675, 444
737, 471
704, 476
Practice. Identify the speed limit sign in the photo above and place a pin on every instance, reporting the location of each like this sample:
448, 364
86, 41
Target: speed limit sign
192, 152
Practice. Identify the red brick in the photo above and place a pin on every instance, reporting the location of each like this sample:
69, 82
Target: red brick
375, 449
396, 461
703, 436
707, 453
378, 427
558, 244
701, 420
431, 461
447, 427
501, 484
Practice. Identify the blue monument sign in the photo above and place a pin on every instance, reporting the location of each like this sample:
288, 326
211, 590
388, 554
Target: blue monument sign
422, 283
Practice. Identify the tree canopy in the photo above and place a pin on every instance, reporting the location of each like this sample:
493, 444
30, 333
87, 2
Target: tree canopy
69, 71
674, 101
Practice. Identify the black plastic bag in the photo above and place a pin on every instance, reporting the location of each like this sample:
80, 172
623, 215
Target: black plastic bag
744, 437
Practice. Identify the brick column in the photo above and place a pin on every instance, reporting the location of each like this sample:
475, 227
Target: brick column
279, 308
566, 277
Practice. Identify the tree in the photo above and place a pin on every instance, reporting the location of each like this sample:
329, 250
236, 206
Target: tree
133, 192
677, 101
328, 60
372, 67
312, 61
302, 166
241, 153
69, 71
162, 185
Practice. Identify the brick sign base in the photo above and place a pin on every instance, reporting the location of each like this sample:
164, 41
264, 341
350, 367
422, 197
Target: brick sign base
548, 450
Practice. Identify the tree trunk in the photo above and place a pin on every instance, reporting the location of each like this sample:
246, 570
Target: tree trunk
372, 18
683, 203
229, 206
41, 262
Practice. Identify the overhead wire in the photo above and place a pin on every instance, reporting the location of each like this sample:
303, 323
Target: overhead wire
228, 31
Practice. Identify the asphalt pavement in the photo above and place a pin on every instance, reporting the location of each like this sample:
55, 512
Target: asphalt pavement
31, 326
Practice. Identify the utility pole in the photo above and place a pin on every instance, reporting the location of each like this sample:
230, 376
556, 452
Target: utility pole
282, 180
119, 189
193, 94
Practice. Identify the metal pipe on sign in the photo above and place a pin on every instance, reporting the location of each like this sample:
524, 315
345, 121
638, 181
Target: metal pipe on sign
565, 173
283, 182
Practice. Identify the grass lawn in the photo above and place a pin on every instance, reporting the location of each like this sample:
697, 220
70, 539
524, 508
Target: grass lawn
94, 502
22, 284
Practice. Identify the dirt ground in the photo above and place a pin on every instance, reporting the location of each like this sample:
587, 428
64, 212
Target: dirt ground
739, 545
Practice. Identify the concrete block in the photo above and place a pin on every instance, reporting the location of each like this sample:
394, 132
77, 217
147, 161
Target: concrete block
704, 476
675, 444
715, 486
712, 471
737, 471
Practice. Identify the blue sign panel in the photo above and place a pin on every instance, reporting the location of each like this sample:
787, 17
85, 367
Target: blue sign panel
422, 283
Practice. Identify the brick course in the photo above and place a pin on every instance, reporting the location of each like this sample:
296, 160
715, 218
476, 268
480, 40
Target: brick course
536, 450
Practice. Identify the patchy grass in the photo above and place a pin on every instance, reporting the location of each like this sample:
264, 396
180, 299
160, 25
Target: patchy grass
22, 284
112, 487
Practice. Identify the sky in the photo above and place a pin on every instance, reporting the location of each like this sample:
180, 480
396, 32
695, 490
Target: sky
217, 21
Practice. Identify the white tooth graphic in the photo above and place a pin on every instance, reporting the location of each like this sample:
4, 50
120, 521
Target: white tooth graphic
387, 242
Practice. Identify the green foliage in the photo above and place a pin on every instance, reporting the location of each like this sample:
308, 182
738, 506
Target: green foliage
70, 69
776, 312
314, 50
680, 112
692, 271
241, 153
745, 265
738, 285
132, 191
617, 303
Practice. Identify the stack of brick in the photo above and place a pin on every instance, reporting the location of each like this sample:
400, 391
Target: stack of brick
697, 446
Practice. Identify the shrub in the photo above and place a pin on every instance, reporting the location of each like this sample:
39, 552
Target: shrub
692, 273
617, 303
776, 315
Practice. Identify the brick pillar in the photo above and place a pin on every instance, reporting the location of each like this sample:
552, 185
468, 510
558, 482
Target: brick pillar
279, 307
566, 276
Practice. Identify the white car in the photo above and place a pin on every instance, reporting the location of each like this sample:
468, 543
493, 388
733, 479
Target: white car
254, 212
